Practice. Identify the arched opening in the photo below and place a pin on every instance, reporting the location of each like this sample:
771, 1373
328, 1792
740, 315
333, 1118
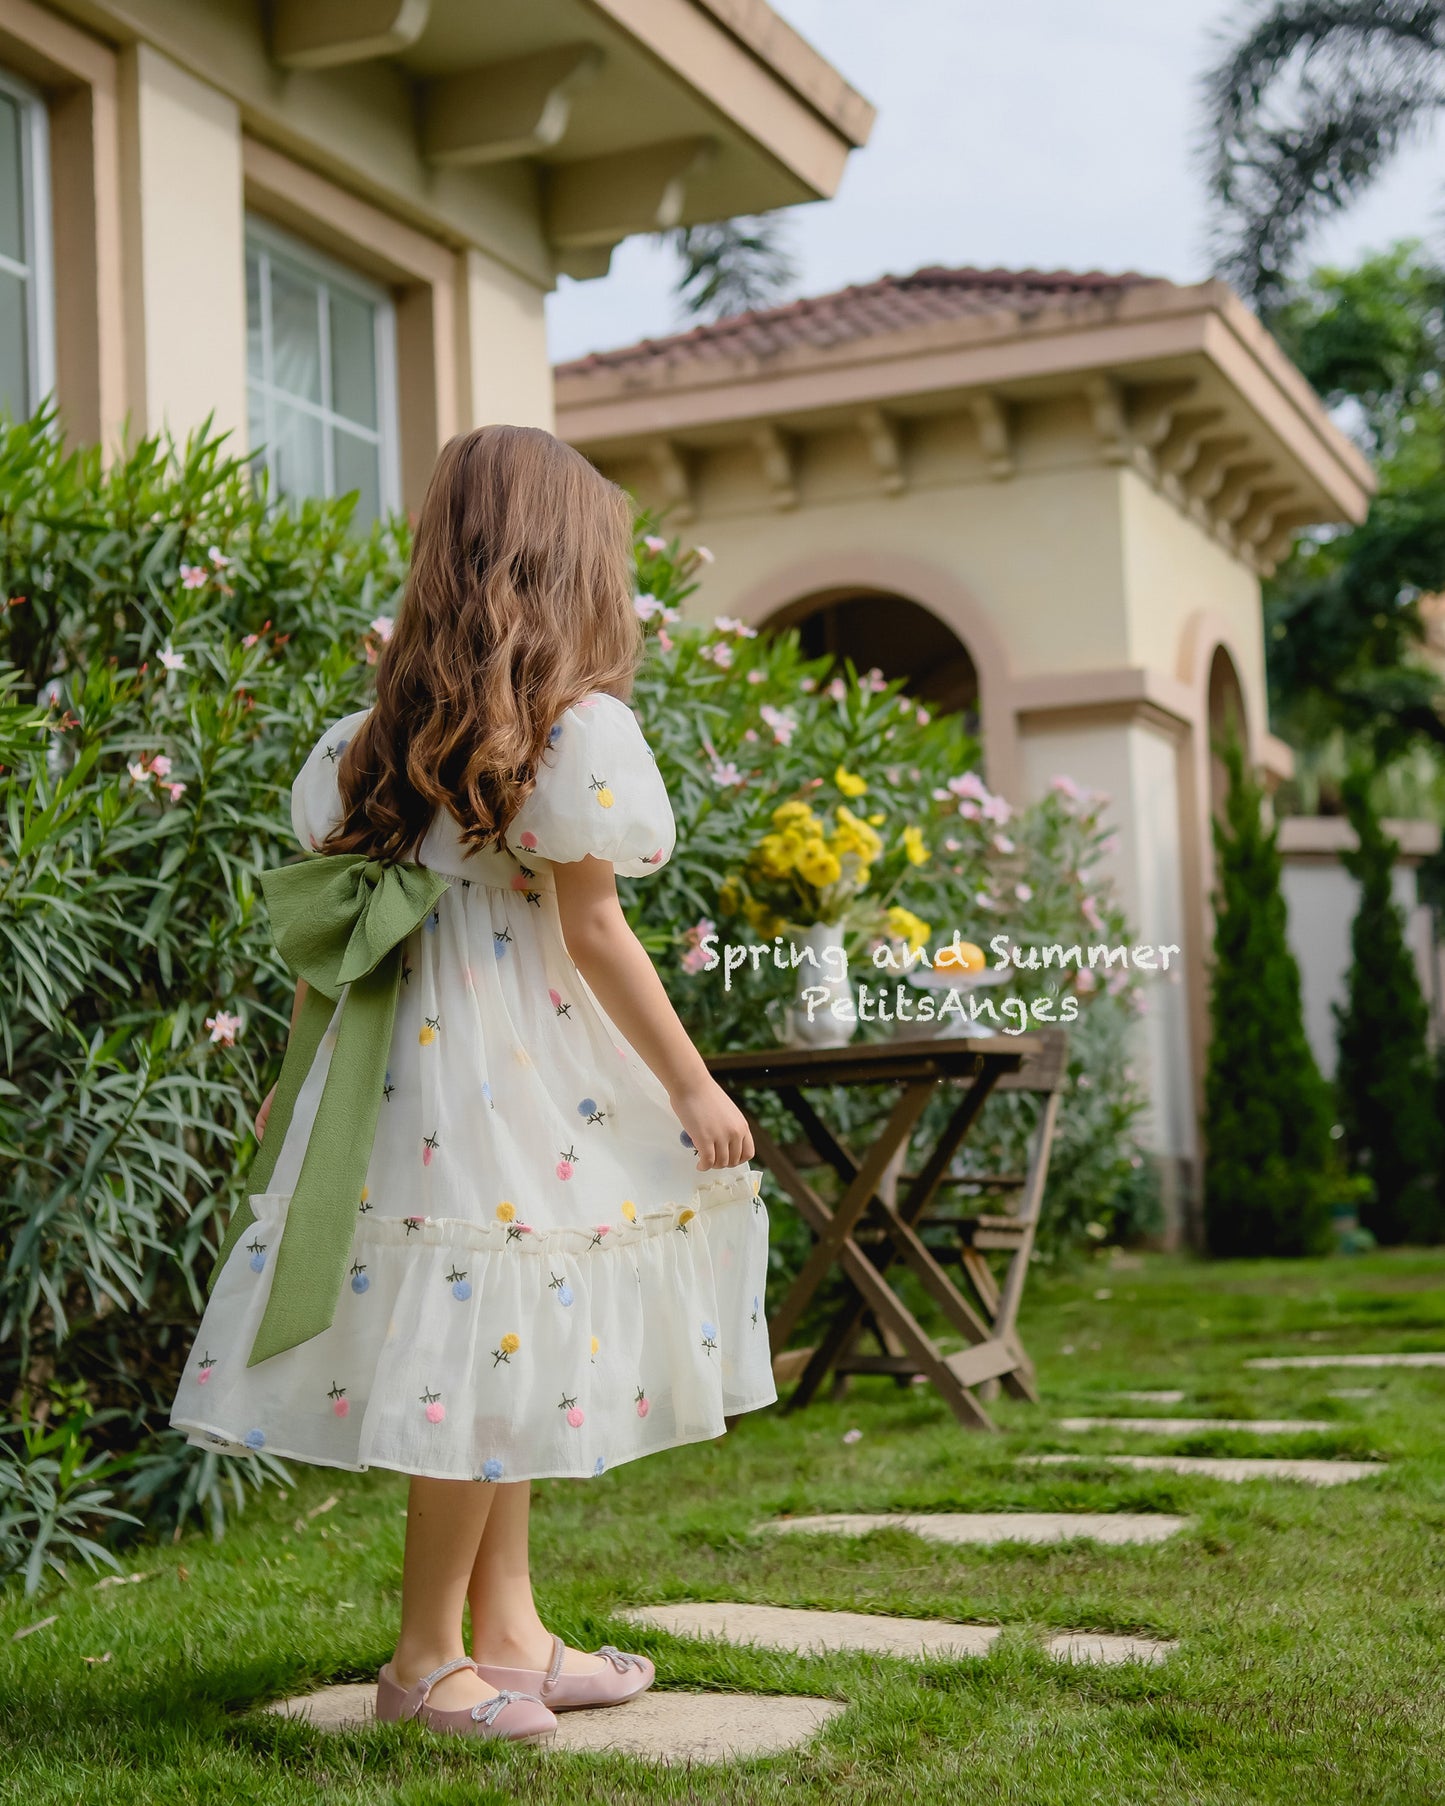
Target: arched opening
888, 633
1226, 722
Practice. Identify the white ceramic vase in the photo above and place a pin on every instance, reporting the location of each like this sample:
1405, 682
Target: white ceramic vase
828, 1027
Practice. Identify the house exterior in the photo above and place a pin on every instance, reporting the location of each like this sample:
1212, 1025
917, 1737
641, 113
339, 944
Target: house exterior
328, 225
1047, 498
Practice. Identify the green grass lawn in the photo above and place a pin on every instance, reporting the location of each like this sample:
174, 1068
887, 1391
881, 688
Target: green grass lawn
1311, 1622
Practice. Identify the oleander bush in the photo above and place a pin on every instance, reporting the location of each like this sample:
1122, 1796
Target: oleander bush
170, 648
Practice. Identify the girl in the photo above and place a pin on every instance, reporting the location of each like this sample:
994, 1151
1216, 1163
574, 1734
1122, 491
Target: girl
501, 1225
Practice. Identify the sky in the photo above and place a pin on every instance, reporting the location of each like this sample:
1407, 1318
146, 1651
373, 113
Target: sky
1057, 134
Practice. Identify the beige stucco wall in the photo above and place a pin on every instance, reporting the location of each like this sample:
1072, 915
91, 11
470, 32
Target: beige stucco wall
507, 376
182, 214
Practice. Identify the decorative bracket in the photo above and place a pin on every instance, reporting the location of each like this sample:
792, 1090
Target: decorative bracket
325, 34
1105, 397
1154, 409
995, 433
1212, 463
1188, 429
885, 446
506, 110
775, 451
669, 462
606, 199
1238, 490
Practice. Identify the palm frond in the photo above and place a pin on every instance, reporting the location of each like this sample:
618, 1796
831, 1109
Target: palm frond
1303, 113
734, 265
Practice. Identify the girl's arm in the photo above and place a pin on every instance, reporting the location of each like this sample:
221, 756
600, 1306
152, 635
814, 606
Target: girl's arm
263, 1115
612, 960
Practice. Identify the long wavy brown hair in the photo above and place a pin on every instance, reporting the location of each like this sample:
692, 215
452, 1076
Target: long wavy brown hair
518, 604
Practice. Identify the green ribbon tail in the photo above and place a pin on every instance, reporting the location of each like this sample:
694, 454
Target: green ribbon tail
301, 1049
321, 1217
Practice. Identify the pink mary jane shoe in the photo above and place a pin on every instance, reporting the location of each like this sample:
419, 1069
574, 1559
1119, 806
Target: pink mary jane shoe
621, 1677
516, 1716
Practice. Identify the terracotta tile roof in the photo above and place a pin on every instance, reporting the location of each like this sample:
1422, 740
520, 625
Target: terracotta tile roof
867, 310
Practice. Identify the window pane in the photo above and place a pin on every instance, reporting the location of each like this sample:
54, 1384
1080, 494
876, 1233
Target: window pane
353, 358
255, 341
295, 333
15, 397
358, 466
295, 456
256, 427
12, 191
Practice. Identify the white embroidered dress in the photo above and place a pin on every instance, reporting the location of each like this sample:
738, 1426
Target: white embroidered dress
541, 1284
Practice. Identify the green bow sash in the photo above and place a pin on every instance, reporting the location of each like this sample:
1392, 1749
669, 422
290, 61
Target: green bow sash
338, 921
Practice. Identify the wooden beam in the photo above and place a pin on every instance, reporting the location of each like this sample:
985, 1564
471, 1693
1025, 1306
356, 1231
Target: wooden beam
884, 440
607, 199
992, 422
324, 34
505, 110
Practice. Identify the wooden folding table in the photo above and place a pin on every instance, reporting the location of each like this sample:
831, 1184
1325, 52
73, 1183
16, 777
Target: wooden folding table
871, 1227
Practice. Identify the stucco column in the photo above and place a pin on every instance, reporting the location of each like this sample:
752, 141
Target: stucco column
1138, 765
183, 222
507, 377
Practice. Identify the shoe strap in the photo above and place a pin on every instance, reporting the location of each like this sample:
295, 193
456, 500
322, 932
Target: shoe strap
554, 1667
424, 1686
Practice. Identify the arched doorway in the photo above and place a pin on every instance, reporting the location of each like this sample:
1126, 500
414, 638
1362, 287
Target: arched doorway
891, 634
1227, 721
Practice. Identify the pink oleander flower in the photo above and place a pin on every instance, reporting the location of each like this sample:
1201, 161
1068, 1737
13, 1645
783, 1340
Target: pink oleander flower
695, 959
177, 791
1066, 787
1091, 915
705, 555
1108, 846
852, 1436
249, 640
1024, 892
725, 773
161, 765
969, 811
807, 685
224, 1028
193, 576
739, 629
1002, 844
173, 661
664, 639
757, 677
873, 680
138, 772
970, 786
984, 900
1085, 981
952, 846
750, 734
783, 724
1117, 981
646, 607
837, 689
381, 626
923, 717
720, 653
219, 559
654, 543
995, 809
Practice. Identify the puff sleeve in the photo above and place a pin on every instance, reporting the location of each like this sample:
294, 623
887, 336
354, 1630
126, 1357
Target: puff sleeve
315, 795
598, 793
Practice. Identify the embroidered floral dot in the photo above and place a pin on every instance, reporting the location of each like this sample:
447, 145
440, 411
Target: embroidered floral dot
255, 1439
429, 1030
461, 1286
573, 1410
599, 1469
559, 1285
566, 1163
643, 1403
709, 1336
340, 1404
595, 1346
492, 1469
506, 1212
686, 1139
684, 1218
203, 1372
359, 1282
505, 1349
529, 839
257, 1251
431, 1403
629, 1210
429, 1147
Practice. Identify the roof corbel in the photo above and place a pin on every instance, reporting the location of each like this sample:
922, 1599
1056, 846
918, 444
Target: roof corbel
669, 462
505, 110
325, 34
775, 453
606, 199
992, 420
884, 440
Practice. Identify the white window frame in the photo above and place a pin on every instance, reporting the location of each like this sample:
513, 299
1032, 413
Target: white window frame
38, 274
272, 241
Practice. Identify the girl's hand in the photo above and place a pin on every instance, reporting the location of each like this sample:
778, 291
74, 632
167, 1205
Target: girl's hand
264, 1113
718, 1129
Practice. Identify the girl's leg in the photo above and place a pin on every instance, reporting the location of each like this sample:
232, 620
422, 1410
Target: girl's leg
445, 1520
506, 1629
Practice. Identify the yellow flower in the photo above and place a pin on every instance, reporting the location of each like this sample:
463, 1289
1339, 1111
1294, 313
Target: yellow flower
629, 1210
877, 821
818, 865
853, 835
509, 1343
913, 845
849, 782
908, 927
728, 897
777, 854
506, 1213
794, 814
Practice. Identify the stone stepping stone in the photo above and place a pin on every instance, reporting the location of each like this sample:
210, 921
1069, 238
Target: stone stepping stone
1093, 1646
1152, 1398
819, 1632
1273, 1363
986, 1527
1224, 1467
662, 1727
1191, 1426
911, 1639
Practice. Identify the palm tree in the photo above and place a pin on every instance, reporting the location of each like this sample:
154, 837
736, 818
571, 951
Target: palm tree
732, 265
1305, 111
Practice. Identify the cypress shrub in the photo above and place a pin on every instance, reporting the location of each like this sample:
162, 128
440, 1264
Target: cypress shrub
1268, 1161
1384, 1075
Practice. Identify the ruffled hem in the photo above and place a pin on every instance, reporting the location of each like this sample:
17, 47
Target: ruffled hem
465, 1350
